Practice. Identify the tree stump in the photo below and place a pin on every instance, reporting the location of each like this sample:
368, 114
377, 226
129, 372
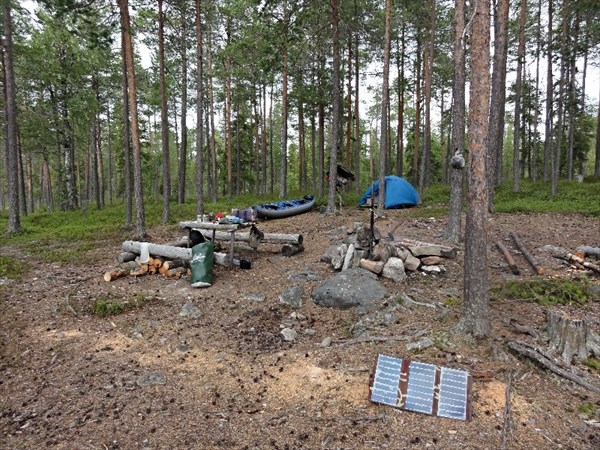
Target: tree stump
571, 338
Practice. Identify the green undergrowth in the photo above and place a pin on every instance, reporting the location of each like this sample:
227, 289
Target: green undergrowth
11, 268
110, 305
548, 291
588, 409
592, 363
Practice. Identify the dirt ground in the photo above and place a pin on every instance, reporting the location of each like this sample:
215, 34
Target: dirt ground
153, 379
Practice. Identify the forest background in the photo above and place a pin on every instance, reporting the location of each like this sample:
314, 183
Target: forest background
260, 78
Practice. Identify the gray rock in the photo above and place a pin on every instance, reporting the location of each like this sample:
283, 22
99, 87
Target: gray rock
338, 258
375, 320
190, 311
289, 334
358, 255
348, 257
310, 331
254, 297
420, 344
150, 379
394, 269
325, 342
353, 287
595, 292
433, 269
305, 275
292, 297
411, 263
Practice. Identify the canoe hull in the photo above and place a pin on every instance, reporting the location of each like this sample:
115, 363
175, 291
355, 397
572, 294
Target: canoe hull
279, 210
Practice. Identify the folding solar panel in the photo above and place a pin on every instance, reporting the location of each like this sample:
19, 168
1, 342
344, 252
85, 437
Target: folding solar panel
420, 387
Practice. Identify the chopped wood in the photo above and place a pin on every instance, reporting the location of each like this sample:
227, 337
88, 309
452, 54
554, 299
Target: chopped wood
432, 260
373, 266
419, 248
546, 361
123, 257
530, 259
168, 265
115, 274
170, 252
142, 270
578, 260
176, 273
291, 249
509, 259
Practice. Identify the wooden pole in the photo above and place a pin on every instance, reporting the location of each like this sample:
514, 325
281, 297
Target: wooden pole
539, 270
509, 259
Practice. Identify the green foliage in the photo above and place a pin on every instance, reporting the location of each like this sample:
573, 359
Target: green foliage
11, 268
110, 305
592, 363
532, 197
588, 409
548, 291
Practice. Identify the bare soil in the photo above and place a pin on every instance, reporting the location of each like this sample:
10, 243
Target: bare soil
152, 379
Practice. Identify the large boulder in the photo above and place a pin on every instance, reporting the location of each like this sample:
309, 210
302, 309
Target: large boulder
353, 287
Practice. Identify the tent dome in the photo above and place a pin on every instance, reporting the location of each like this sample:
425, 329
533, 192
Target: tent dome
399, 193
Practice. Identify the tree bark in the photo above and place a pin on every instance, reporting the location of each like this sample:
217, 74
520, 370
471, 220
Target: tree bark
126, 142
453, 229
561, 100
549, 103
425, 172
182, 167
476, 318
133, 111
14, 223
385, 100
164, 117
199, 112
336, 108
284, 107
518, 89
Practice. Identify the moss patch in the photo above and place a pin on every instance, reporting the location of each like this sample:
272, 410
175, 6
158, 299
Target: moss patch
588, 409
592, 363
110, 305
11, 268
548, 291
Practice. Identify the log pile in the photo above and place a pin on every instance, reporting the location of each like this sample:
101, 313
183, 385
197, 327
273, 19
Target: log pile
390, 257
168, 268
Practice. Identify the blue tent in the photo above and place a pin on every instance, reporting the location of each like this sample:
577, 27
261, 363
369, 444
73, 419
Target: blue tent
399, 193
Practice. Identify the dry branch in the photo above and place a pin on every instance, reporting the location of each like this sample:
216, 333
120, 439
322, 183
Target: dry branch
546, 361
576, 259
509, 259
539, 270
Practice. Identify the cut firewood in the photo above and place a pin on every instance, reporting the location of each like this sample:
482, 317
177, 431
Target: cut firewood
170, 252
530, 259
176, 273
589, 251
168, 265
578, 260
373, 266
509, 259
142, 270
546, 361
124, 257
115, 274
291, 249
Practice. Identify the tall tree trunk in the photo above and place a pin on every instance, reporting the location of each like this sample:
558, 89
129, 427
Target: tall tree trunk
498, 99
597, 159
182, 168
284, 108
385, 100
518, 92
561, 101
425, 172
536, 113
357, 134
264, 141
417, 130
164, 117
199, 114
348, 158
400, 132
335, 127
94, 164
238, 168
133, 111
572, 97
453, 229
127, 172
301, 144
29, 165
271, 161
21, 177
549, 101
321, 127
476, 319
229, 131
110, 155
213, 138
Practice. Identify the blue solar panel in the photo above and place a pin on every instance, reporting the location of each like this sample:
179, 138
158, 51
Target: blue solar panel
421, 387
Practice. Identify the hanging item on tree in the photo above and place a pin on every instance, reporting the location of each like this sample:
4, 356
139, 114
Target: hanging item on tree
458, 160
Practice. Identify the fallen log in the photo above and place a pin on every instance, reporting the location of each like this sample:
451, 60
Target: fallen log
268, 238
171, 252
291, 249
509, 259
578, 260
419, 248
115, 274
530, 259
123, 257
589, 251
546, 361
